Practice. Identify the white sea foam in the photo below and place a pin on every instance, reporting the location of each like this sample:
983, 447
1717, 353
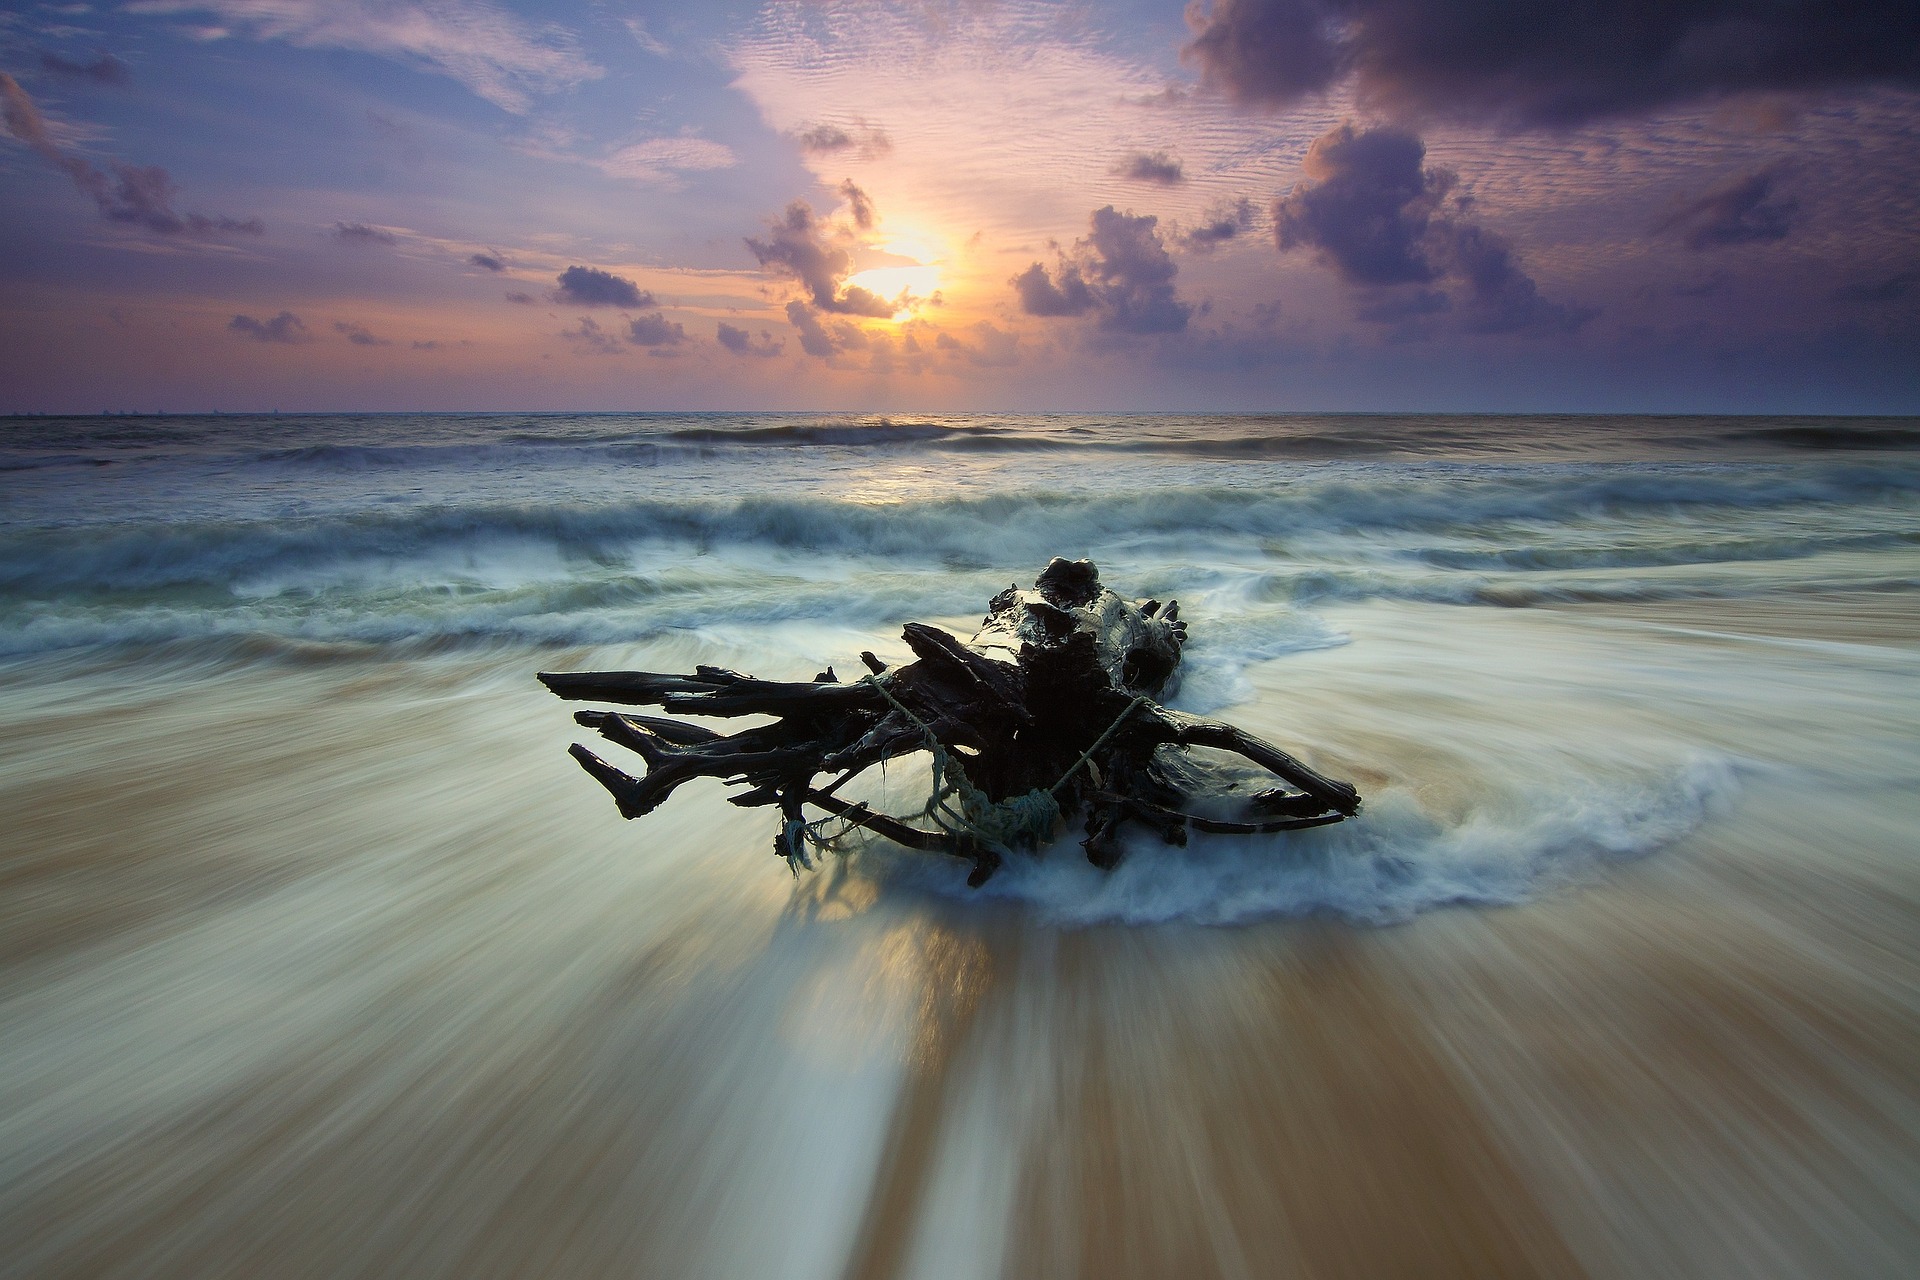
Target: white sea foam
1389, 864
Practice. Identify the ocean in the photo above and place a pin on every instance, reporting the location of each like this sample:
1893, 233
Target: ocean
320, 957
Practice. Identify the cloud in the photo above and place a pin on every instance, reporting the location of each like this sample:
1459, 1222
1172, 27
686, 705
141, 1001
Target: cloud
1156, 167
802, 247
285, 327
522, 299
1738, 212
741, 343
1376, 215
1223, 223
1891, 289
592, 287
1120, 272
1369, 207
827, 139
485, 48
824, 341
814, 339
588, 338
654, 330
358, 335
488, 261
361, 233
137, 195
1398, 306
1501, 297
1040, 296
991, 348
106, 69
858, 205
1522, 63
637, 28
663, 161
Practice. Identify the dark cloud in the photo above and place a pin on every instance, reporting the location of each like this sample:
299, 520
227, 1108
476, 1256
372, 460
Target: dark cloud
1739, 212
1892, 289
285, 327
1041, 296
802, 247
859, 204
592, 287
1501, 297
1397, 306
588, 338
826, 139
106, 69
741, 343
814, 338
1375, 214
991, 348
1369, 206
522, 299
654, 330
140, 196
1525, 63
358, 335
1222, 224
1156, 166
361, 233
1121, 273
825, 340
488, 261
429, 344
1701, 287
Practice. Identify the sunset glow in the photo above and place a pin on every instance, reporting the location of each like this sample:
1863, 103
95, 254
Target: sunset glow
1145, 205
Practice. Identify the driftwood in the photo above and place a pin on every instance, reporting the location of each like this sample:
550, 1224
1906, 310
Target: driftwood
1049, 709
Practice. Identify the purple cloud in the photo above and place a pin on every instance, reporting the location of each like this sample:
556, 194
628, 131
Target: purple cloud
741, 343
1738, 212
799, 245
140, 196
654, 330
1527, 64
106, 69
285, 327
358, 335
1375, 214
362, 234
1156, 167
1121, 273
592, 287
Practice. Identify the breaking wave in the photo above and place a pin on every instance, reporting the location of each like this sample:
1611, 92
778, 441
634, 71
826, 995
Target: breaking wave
613, 571
1393, 862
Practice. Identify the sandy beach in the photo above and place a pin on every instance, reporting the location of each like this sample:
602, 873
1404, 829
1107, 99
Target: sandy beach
340, 968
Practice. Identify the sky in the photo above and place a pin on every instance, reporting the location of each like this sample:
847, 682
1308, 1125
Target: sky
869, 206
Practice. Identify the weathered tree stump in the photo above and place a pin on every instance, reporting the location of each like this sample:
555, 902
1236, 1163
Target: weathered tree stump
1049, 709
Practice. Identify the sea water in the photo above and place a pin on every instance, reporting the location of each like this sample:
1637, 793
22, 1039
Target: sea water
318, 956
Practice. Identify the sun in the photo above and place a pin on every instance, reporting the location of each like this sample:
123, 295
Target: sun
918, 281
907, 264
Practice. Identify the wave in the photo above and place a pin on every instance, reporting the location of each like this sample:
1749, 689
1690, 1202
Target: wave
1393, 862
1827, 436
1007, 529
50, 461
350, 443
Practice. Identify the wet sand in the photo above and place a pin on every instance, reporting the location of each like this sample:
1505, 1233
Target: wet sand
344, 970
